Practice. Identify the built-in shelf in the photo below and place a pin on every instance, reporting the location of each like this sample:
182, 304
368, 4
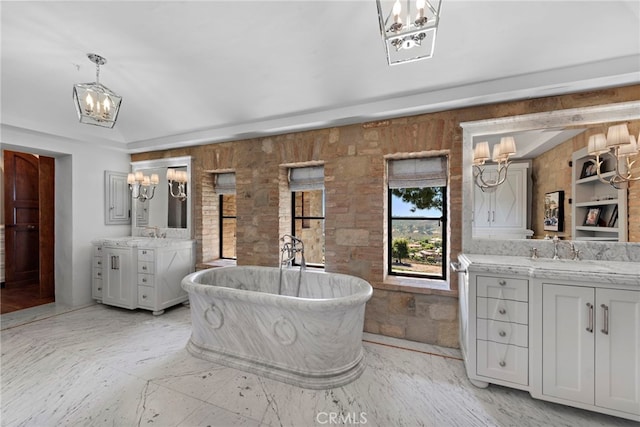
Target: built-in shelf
591, 195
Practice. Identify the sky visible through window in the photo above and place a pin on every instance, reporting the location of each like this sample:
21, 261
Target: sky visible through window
401, 208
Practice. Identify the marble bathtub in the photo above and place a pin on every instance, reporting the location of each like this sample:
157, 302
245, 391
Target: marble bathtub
312, 341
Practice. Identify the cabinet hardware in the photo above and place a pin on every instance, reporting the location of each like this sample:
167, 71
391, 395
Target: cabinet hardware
502, 282
99, 289
605, 320
502, 363
502, 333
590, 327
494, 216
502, 311
144, 267
144, 280
144, 296
488, 216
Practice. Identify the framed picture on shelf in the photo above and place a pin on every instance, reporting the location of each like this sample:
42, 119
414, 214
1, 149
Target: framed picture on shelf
613, 218
554, 211
588, 169
593, 215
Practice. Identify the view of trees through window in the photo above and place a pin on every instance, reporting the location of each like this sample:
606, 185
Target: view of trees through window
417, 231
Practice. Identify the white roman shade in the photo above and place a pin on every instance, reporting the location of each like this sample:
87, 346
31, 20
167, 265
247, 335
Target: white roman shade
418, 172
306, 178
225, 183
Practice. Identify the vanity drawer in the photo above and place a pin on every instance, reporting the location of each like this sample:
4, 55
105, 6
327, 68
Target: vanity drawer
503, 332
146, 279
503, 287
145, 267
503, 362
97, 289
146, 296
146, 255
503, 310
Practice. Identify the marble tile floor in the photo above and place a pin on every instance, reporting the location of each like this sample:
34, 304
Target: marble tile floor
99, 366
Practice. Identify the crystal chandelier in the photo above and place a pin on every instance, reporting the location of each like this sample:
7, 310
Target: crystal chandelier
409, 34
96, 104
180, 178
622, 148
142, 186
501, 153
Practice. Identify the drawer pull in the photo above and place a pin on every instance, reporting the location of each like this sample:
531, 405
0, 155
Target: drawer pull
502, 311
99, 289
144, 267
144, 252
502, 282
144, 280
590, 326
144, 296
99, 262
502, 333
502, 363
99, 273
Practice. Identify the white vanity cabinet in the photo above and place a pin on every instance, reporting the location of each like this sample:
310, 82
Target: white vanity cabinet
496, 327
591, 346
503, 213
566, 331
142, 272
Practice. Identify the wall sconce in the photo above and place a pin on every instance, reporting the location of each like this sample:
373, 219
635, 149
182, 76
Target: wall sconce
180, 177
501, 153
142, 186
621, 147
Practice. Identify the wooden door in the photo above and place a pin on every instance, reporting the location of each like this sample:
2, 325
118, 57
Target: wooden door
22, 218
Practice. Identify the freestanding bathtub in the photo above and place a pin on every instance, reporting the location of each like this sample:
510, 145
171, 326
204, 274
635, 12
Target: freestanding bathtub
312, 341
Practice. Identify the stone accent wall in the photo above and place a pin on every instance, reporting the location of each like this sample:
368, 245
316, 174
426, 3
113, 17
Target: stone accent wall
354, 159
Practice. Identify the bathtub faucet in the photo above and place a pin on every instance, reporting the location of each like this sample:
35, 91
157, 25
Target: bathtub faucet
290, 249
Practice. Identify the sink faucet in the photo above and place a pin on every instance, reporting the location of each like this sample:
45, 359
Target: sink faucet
154, 231
575, 253
556, 241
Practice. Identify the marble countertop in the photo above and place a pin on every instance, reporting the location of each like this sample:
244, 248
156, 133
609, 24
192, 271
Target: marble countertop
141, 242
592, 271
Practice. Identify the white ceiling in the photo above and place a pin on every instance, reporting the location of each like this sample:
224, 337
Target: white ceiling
195, 72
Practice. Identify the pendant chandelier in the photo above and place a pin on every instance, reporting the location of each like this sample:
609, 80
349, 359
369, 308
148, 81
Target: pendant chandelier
501, 153
96, 104
409, 33
620, 147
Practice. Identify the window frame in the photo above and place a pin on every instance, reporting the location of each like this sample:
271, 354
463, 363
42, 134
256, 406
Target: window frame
221, 219
443, 219
304, 217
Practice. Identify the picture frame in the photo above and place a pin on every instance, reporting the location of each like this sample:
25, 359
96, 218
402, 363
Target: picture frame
614, 217
593, 216
554, 211
589, 168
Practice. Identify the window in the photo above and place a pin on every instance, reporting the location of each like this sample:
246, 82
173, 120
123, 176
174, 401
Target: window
225, 186
417, 220
307, 207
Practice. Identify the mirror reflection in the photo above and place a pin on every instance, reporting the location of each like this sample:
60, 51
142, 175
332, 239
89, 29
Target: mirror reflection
549, 163
169, 208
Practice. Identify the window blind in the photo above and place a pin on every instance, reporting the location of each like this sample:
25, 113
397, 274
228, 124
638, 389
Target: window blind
306, 178
418, 172
225, 183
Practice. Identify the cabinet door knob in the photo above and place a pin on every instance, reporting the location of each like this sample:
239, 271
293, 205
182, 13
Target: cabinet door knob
502, 311
502, 363
144, 267
502, 282
144, 296
99, 289
144, 280
502, 333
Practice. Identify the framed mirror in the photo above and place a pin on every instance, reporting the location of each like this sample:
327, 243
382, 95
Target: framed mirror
164, 213
561, 125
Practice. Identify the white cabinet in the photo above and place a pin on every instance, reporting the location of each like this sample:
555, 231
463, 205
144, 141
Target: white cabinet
591, 346
495, 317
117, 201
118, 276
606, 203
503, 212
141, 273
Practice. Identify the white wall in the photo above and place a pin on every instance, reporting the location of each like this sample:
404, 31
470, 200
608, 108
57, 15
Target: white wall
79, 200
